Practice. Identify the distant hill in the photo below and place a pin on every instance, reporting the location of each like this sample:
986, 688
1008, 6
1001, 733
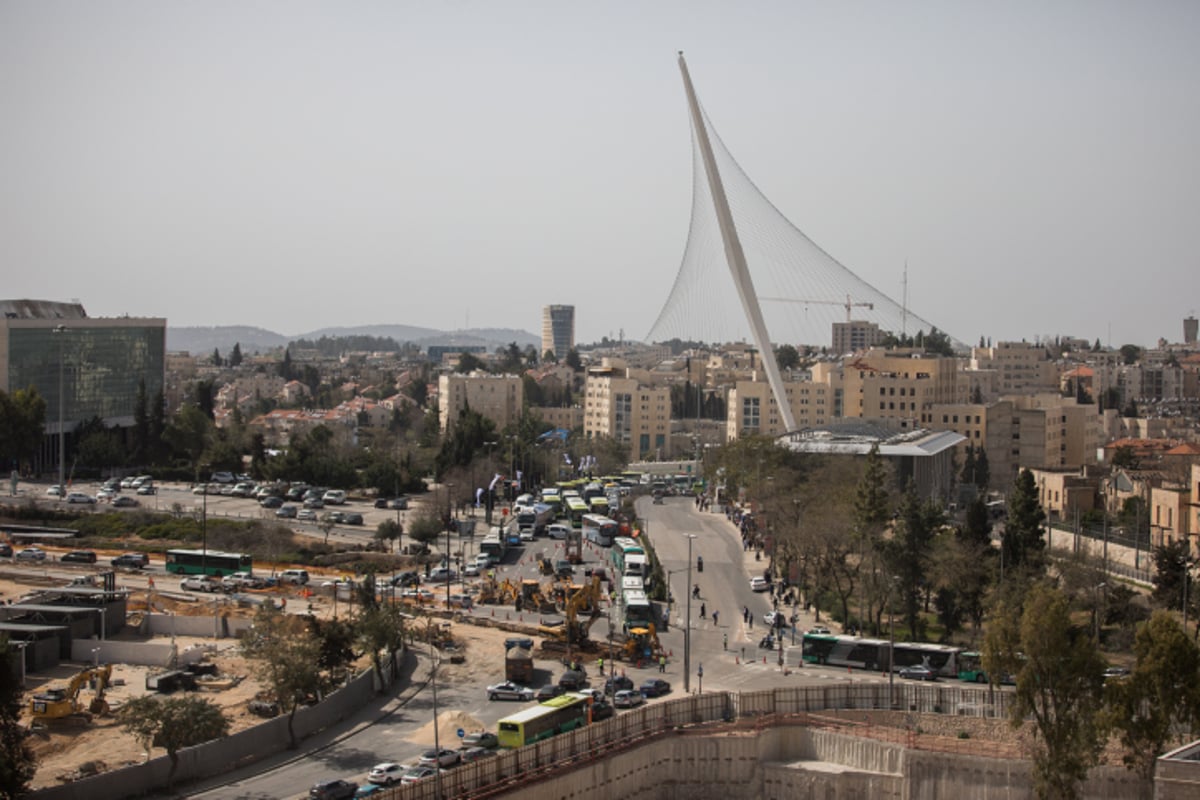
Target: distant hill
197, 339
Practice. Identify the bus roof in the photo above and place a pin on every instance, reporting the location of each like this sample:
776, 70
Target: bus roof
208, 553
541, 709
636, 596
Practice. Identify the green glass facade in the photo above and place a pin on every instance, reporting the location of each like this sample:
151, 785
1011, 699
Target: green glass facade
102, 366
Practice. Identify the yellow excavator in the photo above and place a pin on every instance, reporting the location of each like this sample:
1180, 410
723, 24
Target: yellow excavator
499, 593
642, 643
582, 609
62, 702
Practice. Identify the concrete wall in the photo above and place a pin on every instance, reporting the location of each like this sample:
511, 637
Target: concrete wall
148, 654
182, 625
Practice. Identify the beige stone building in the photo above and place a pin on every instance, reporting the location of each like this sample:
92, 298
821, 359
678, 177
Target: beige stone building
499, 398
1063, 493
891, 384
1020, 367
855, 336
619, 405
752, 409
1171, 514
568, 418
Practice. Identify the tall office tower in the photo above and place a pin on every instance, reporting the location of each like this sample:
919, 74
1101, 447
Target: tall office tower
1190, 325
558, 330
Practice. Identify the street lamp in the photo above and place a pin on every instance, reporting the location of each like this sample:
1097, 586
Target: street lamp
687, 626
437, 745
487, 506
61, 331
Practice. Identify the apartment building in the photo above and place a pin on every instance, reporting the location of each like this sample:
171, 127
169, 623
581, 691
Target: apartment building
620, 405
1020, 367
752, 409
889, 384
855, 336
499, 398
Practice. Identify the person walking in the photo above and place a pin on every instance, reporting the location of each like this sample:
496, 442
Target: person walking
600, 663
702, 614
662, 663
715, 613
725, 641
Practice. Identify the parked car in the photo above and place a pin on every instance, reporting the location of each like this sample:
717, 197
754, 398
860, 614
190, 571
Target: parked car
79, 557
352, 518
222, 477
137, 560
331, 790
418, 773
407, 578
918, 672
441, 575
557, 531
107, 493
601, 709
368, 790
124, 501
439, 758
80, 497
244, 489
242, 580
618, 683
313, 502
775, 619
471, 571
297, 576
306, 514
572, 680
759, 584
272, 501
477, 754
627, 698
509, 691
6, 550
334, 497
147, 489
548, 692
54, 491
387, 773
286, 511
31, 554
398, 504
127, 482
201, 583
480, 739
655, 687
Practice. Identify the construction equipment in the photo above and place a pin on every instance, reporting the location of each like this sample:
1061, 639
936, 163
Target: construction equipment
499, 593
574, 546
546, 566
580, 611
62, 702
848, 305
533, 598
642, 644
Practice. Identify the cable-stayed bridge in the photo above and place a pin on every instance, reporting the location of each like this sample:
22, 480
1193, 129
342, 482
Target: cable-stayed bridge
799, 290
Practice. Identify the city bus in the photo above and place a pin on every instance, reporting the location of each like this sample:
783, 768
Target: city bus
599, 505
637, 610
599, 530
557, 715
494, 547
207, 562
970, 667
637, 566
576, 508
846, 651
622, 548
941, 658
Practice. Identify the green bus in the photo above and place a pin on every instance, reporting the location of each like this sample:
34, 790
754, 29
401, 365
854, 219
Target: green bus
557, 715
207, 562
576, 508
622, 548
599, 506
970, 667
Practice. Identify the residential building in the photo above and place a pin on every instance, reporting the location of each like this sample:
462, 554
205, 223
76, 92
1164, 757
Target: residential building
1022, 368
752, 410
558, 330
103, 364
855, 336
889, 384
499, 398
619, 405
1066, 493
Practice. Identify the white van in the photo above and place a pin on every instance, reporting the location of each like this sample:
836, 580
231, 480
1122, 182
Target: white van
334, 497
298, 576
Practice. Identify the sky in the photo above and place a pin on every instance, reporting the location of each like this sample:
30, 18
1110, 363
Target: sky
298, 165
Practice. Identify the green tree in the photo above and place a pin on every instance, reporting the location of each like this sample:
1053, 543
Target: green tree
158, 427
173, 723
908, 554
287, 658
872, 514
787, 356
426, 527
1160, 698
1059, 683
381, 630
389, 531
286, 370
140, 436
573, 360
216, 357
235, 356
468, 362
1172, 566
335, 643
17, 762
1124, 457
1023, 543
1130, 353
983, 472
22, 425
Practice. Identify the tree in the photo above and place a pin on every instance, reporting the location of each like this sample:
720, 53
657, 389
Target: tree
216, 357
872, 512
1130, 353
335, 642
968, 471
468, 362
1059, 682
1124, 457
288, 659
173, 723
285, 366
22, 424
573, 360
787, 357
381, 629
140, 438
909, 552
17, 762
1023, 541
1160, 697
235, 356
983, 473
389, 531
1172, 566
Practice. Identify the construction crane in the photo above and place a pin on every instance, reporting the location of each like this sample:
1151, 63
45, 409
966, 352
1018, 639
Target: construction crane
848, 305
62, 702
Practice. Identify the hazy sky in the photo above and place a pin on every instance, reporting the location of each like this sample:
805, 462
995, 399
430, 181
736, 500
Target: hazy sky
295, 165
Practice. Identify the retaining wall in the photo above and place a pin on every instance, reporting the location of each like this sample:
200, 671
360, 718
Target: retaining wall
216, 626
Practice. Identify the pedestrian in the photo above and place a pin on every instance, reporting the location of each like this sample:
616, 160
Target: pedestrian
750, 621
715, 613
702, 611
725, 641
662, 663
600, 664
745, 613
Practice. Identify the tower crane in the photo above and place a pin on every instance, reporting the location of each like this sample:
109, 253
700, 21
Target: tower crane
848, 305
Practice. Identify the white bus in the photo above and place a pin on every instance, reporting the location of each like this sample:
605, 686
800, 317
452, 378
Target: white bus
637, 609
599, 530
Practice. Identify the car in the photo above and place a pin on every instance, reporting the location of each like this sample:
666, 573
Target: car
418, 773
352, 518
477, 754
147, 489
471, 571
140, 481
527, 535
655, 687
54, 491
80, 497
509, 691
286, 511
222, 477
658, 497
440, 758
244, 489
201, 583
776, 619
572, 680
313, 502
6, 550
398, 504
549, 692
917, 672
124, 501
522, 642
334, 497
295, 493
407, 578
1115, 672
627, 698
417, 595
819, 629
463, 601
563, 568
557, 531
618, 683
272, 501
368, 790
759, 584
332, 790
135, 560
127, 482
441, 575
480, 739
387, 773
79, 557
242, 580
296, 576
601, 709
335, 516
107, 493
203, 488
31, 554
306, 514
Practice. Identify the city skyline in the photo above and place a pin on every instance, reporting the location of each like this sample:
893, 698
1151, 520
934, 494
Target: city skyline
298, 166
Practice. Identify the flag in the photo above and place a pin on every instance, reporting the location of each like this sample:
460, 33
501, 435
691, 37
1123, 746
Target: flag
495, 480
478, 494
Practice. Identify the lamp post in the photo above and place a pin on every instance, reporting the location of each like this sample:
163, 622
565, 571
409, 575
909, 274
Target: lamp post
437, 745
60, 331
487, 501
687, 626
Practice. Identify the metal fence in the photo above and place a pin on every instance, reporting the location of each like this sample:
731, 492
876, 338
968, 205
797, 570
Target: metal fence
795, 705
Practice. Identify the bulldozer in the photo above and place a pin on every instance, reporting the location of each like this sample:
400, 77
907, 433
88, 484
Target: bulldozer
533, 598
61, 703
642, 643
497, 593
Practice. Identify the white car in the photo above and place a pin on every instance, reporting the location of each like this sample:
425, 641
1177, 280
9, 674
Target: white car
54, 491
557, 531
80, 497
242, 580
106, 494
759, 584
200, 583
509, 691
527, 535
31, 554
628, 698
387, 773
307, 514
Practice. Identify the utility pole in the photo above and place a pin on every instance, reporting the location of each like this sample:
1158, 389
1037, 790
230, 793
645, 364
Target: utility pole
687, 627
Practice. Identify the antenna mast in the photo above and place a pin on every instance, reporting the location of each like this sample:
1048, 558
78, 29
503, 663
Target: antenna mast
904, 304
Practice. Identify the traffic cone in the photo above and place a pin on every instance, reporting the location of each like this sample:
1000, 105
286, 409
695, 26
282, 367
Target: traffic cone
737, 660
764, 659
